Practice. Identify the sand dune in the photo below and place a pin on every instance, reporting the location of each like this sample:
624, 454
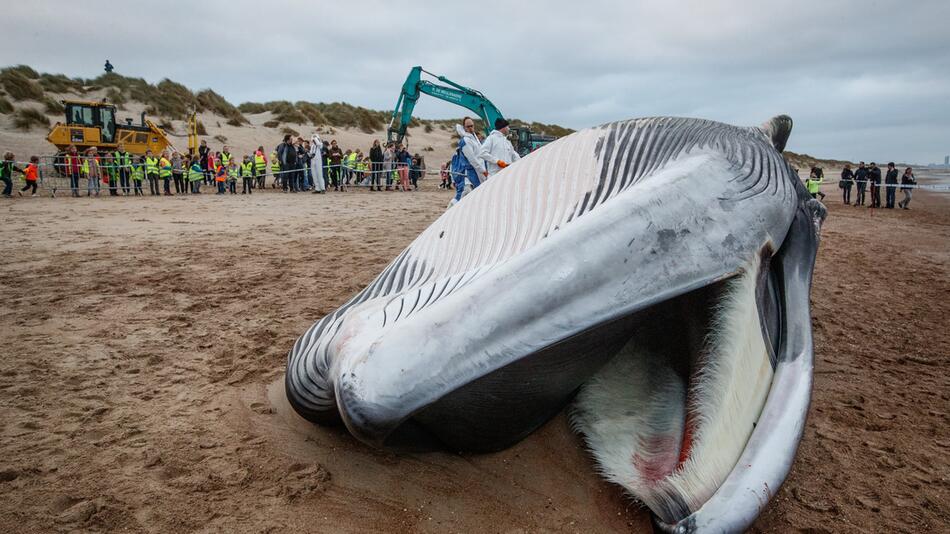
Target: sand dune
242, 139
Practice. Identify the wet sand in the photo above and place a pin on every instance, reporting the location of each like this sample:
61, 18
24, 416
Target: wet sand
144, 344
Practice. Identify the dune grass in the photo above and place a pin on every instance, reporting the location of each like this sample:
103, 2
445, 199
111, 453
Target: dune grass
24, 70
174, 100
115, 96
171, 100
285, 112
312, 112
53, 107
337, 114
252, 108
25, 118
60, 83
215, 103
18, 86
5, 106
167, 126
543, 129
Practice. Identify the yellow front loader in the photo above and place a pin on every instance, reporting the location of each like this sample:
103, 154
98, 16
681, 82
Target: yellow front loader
91, 124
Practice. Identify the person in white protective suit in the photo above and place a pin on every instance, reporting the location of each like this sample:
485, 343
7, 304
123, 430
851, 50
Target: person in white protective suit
316, 164
468, 167
497, 148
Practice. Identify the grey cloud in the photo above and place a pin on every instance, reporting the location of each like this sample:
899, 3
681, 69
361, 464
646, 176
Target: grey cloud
859, 78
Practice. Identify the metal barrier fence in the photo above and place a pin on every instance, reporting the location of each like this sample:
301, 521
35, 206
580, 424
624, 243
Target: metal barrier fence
931, 187
95, 175
90, 175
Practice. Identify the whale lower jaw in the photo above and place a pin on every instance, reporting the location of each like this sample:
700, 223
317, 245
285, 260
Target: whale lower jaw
668, 417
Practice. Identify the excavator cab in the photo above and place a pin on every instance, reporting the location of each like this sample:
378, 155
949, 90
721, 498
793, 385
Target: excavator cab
527, 142
91, 115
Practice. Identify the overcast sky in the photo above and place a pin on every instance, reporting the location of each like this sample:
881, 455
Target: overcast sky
862, 79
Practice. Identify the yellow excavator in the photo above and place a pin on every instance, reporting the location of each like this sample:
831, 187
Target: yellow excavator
91, 124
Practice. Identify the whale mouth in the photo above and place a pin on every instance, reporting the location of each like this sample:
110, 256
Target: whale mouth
669, 416
666, 397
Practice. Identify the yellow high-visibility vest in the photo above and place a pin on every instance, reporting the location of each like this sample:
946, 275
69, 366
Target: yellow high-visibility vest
164, 168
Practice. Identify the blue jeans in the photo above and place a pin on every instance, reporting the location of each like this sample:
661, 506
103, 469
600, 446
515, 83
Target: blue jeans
460, 182
74, 182
890, 195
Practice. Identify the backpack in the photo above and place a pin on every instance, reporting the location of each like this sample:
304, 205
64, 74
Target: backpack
460, 165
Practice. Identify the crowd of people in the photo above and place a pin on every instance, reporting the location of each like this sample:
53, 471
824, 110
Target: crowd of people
300, 165
312, 165
863, 177
296, 165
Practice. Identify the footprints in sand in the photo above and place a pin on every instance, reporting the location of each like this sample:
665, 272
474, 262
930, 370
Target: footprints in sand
301, 480
103, 513
70, 510
262, 408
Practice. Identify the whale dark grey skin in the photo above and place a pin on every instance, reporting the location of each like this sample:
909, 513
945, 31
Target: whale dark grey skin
654, 271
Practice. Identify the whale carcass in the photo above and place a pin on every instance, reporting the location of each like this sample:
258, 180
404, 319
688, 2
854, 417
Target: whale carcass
654, 271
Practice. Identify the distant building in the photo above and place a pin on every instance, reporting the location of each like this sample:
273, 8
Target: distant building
946, 160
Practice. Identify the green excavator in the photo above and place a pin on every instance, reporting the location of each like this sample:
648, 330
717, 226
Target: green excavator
415, 86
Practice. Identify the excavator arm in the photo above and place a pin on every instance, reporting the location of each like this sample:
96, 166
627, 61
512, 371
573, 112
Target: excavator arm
452, 92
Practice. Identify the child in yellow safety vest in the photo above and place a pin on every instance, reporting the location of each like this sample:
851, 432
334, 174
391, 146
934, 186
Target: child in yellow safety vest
91, 171
196, 175
260, 167
365, 167
165, 172
151, 173
247, 174
232, 176
138, 174
274, 169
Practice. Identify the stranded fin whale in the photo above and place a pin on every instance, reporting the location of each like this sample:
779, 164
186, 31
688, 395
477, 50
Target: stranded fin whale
656, 270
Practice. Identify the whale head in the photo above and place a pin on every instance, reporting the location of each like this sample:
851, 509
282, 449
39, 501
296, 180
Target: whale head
653, 271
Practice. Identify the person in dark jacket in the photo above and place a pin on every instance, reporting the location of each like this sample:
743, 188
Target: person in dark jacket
403, 163
335, 154
325, 160
203, 152
287, 155
874, 176
417, 170
907, 186
847, 180
861, 182
376, 165
890, 186
6, 173
303, 165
